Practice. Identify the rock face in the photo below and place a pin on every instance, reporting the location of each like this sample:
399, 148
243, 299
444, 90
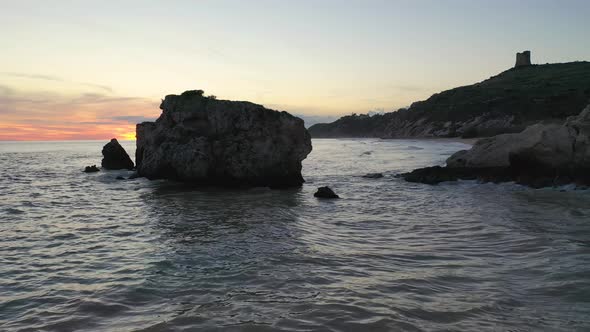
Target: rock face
219, 142
115, 156
523, 59
540, 156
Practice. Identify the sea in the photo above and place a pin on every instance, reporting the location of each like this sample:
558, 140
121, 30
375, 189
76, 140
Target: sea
88, 252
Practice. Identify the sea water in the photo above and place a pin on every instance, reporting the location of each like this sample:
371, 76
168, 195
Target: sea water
88, 252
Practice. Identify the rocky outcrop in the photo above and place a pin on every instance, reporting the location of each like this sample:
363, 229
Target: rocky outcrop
505, 103
325, 192
115, 156
540, 156
203, 140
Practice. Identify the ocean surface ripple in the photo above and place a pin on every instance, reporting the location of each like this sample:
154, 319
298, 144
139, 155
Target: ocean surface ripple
87, 252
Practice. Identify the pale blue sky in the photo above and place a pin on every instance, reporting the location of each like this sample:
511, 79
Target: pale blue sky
309, 57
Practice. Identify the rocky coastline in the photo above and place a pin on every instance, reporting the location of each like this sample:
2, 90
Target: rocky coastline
540, 156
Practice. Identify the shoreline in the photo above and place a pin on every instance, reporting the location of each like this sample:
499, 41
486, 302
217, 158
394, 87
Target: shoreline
470, 141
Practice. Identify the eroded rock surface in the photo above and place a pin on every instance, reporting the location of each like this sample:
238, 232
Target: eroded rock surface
540, 156
220, 142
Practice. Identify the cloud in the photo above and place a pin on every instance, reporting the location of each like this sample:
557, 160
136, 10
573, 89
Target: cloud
101, 87
134, 118
42, 115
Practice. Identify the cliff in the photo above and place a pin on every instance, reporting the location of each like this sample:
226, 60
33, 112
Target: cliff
505, 103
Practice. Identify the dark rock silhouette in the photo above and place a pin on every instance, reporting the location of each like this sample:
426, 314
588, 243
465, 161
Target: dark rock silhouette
91, 169
523, 59
325, 192
115, 156
120, 178
204, 140
540, 156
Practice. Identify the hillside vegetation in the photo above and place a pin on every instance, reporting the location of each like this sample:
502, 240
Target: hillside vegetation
503, 103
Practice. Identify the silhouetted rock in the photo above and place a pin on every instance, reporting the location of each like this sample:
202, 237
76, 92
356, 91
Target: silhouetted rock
437, 174
120, 178
91, 169
373, 175
540, 156
208, 141
115, 156
325, 192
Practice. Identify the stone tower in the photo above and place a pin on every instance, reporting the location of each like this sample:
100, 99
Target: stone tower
523, 59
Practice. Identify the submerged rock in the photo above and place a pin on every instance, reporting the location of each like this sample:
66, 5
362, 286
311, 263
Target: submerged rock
133, 176
115, 156
325, 192
437, 174
540, 156
373, 175
208, 141
91, 169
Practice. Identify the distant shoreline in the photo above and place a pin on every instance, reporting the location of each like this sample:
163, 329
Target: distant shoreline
469, 141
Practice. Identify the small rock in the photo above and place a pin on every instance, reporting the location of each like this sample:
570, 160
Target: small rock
325, 192
91, 169
119, 178
373, 175
115, 156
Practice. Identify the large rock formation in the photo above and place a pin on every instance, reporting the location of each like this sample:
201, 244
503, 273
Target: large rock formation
550, 146
208, 141
541, 155
115, 156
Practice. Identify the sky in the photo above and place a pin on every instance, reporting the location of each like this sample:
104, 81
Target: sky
93, 69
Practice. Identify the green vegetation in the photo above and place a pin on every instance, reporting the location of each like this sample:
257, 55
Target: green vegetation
193, 93
534, 93
530, 93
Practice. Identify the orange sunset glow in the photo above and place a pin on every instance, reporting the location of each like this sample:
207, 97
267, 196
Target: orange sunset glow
92, 70
16, 132
83, 112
